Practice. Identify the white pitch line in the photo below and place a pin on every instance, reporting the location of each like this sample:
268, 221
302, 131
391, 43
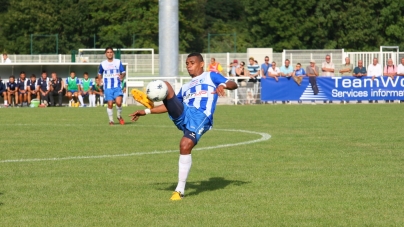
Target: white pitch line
264, 136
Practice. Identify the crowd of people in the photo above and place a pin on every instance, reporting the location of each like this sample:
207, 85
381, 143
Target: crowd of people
249, 89
21, 91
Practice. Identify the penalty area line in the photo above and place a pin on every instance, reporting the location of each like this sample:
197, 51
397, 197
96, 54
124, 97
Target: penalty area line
264, 137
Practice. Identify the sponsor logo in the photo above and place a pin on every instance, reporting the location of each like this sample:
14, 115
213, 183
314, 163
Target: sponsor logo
196, 95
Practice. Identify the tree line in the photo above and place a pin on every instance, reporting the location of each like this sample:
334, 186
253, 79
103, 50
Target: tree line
34, 26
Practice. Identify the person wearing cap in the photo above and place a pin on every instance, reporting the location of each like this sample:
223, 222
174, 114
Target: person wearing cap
312, 72
234, 66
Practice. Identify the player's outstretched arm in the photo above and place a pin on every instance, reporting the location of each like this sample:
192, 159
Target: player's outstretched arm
156, 110
229, 85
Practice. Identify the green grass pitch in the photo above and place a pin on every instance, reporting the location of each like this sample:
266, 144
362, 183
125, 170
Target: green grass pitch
324, 165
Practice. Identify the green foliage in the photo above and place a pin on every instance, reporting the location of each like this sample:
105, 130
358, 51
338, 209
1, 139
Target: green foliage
283, 24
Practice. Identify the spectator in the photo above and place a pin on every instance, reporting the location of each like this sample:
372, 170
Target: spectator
242, 91
274, 71
31, 88
6, 59
253, 72
390, 70
312, 72
3, 91
85, 87
98, 92
72, 89
328, 69
286, 69
12, 90
374, 70
264, 67
56, 89
43, 88
234, 67
347, 68
400, 71
359, 72
214, 66
298, 75
22, 89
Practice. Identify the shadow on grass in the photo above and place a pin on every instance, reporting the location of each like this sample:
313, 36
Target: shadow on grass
1, 193
214, 183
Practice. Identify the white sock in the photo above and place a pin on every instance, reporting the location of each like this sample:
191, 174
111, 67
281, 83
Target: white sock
184, 166
101, 100
92, 100
125, 96
110, 114
81, 100
118, 111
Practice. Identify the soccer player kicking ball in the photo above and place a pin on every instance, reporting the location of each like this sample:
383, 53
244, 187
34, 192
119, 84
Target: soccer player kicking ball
191, 110
112, 72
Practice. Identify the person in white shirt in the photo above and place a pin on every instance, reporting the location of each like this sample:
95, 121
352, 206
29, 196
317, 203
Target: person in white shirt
6, 59
327, 67
400, 71
274, 71
375, 70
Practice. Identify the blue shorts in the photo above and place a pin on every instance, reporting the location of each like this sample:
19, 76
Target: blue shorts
112, 93
72, 91
84, 95
194, 121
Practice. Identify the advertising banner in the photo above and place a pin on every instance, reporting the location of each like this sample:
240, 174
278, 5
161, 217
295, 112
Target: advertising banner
334, 88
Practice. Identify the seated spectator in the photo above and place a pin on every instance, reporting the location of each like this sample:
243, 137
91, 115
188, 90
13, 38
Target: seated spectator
98, 91
286, 69
56, 89
12, 91
347, 68
298, 74
6, 59
32, 89
3, 91
214, 66
43, 86
72, 89
22, 89
390, 70
375, 70
85, 89
312, 71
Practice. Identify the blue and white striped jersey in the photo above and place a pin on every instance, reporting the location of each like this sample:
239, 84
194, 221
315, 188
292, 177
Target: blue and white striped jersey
199, 92
110, 72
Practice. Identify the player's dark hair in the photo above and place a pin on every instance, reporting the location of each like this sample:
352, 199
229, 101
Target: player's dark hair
22, 72
44, 71
198, 55
109, 48
33, 75
85, 73
12, 77
73, 72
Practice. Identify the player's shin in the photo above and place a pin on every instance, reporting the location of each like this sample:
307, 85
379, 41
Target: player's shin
118, 111
110, 114
184, 166
81, 100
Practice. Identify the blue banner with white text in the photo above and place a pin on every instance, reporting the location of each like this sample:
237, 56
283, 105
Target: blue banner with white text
334, 88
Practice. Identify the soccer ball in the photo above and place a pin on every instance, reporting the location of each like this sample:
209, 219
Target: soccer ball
157, 90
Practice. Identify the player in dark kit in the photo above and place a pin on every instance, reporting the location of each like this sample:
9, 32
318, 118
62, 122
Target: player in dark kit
32, 92
22, 89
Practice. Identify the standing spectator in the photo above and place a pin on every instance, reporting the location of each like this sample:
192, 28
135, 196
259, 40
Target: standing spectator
43, 88
347, 68
274, 71
56, 89
31, 89
22, 89
242, 91
298, 75
264, 67
6, 59
234, 66
359, 72
214, 66
3, 91
312, 72
286, 69
72, 89
253, 70
400, 71
85, 87
12, 90
98, 92
374, 70
390, 70
327, 68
